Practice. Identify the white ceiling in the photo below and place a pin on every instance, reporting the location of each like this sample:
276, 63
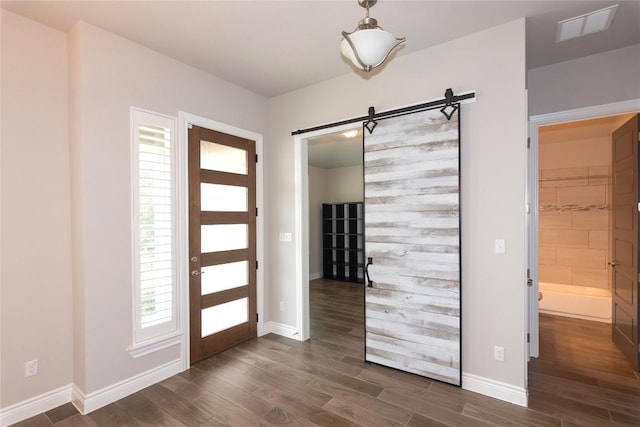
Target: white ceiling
336, 150
273, 47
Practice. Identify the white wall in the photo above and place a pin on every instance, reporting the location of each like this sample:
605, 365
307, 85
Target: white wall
113, 74
345, 184
493, 178
35, 237
108, 74
333, 185
317, 196
604, 78
66, 227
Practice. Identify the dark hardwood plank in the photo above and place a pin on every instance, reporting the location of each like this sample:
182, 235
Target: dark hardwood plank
226, 413
40, 420
374, 405
311, 395
61, 412
112, 416
451, 414
280, 417
244, 381
418, 420
77, 421
296, 404
236, 396
187, 411
357, 413
145, 413
278, 369
306, 362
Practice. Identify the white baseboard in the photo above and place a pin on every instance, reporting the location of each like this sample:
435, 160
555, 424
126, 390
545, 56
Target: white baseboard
86, 403
496, 389
282, 330
97, 399
34, 406
314, 276
577, 316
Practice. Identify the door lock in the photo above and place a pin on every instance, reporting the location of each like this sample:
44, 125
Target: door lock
195, 273
194, 259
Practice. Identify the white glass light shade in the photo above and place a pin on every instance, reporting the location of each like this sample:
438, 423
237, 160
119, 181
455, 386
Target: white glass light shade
373, 46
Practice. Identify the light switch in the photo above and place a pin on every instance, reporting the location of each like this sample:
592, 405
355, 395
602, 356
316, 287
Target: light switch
500, 246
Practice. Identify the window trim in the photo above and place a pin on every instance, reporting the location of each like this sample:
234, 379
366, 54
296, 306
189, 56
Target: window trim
168, 333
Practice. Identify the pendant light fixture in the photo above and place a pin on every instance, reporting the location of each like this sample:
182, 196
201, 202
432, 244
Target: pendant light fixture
368, 45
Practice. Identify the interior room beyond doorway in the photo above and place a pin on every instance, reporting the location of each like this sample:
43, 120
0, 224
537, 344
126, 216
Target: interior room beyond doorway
574, 218
576, 237
335, 176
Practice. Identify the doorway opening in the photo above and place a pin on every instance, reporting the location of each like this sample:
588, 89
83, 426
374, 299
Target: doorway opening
302, 331
575, 222
535, 124
336, 240
575, 236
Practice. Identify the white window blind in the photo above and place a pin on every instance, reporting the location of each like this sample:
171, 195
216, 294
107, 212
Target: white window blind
154, 225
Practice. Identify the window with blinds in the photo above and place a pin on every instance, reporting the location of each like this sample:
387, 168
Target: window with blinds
154, 225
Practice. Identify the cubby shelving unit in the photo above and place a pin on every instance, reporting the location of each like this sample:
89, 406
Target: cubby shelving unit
343, 241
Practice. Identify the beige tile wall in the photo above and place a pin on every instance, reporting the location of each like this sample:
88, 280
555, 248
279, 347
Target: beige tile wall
573, 199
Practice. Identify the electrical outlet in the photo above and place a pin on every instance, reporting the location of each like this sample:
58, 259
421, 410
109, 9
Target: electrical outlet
498, 353
286, 237
281, 305
31, 368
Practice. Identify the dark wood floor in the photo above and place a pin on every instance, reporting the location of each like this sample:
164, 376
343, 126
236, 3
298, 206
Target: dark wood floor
580, 379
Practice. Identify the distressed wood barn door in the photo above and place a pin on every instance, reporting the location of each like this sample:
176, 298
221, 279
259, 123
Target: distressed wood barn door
412, 240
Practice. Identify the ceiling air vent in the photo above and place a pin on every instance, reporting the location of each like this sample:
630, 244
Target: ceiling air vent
588, 23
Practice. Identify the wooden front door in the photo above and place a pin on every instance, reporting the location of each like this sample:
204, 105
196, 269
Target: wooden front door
412, 239
222, 241
625, 240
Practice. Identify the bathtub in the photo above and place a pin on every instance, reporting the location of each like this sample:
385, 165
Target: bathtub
575, 301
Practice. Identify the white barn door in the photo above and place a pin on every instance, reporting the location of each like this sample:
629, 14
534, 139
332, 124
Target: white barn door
412, 239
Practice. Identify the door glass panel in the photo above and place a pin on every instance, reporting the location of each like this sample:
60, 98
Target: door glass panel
223, 198
223, 237
216, 278
224, 316
218, 157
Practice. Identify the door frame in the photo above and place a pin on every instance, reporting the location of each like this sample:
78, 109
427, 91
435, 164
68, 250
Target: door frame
535, 122
301, 156
184, 120
301, 331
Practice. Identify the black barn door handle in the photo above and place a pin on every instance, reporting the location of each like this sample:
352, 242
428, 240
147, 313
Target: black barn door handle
366, 272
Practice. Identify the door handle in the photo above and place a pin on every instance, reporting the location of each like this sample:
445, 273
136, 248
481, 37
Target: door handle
613, 264
366, 272
195, 273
